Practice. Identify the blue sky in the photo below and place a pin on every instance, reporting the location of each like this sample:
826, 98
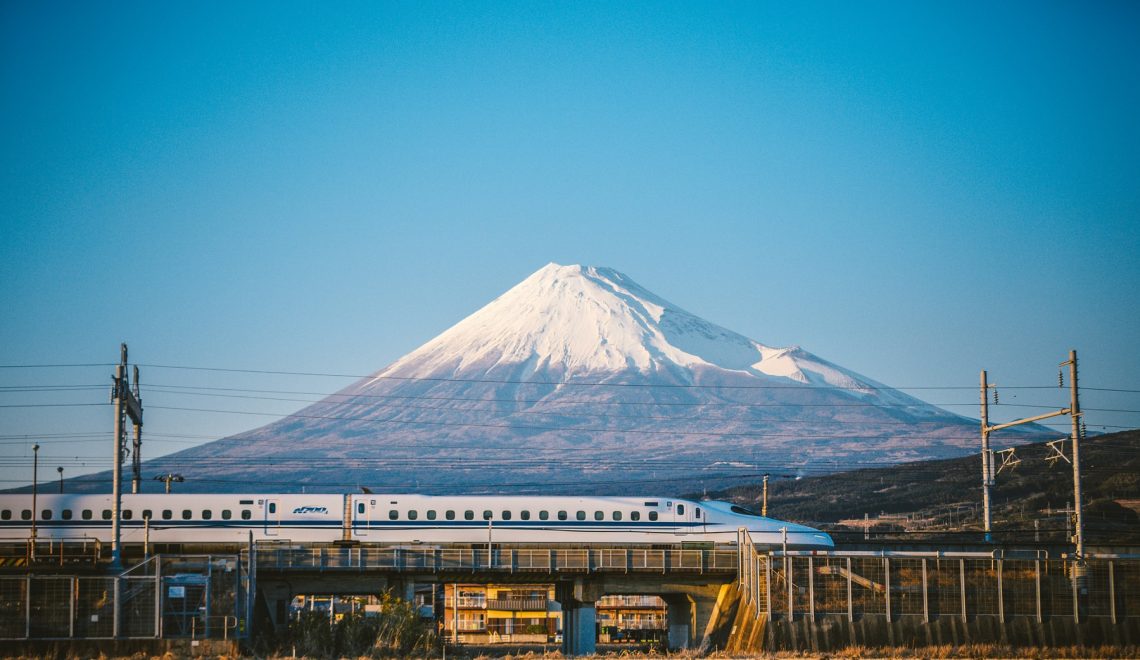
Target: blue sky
916, 191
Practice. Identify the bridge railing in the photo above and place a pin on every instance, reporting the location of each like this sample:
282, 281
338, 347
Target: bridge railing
287, 557
895, 585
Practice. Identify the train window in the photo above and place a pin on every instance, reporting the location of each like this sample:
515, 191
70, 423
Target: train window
26, 514
544, 515
651, 504
147, 514
46, 514
227, 514
86, 514
245, 502
245, 514
128, 514
360, 507
525, 515
680, 509
581, 515
207, 514
187, 514
65, 514
598, 515
167, 514
412, 515
617, 515
653, 515
273, 507
562, 515
486, 514
392, 515
6, 514
106, 514
450, 515
431, 514
506, 515
697, 512
635, 515
469, 515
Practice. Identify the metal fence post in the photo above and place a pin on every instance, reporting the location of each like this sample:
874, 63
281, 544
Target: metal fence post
1001, 592
1073, 580
962, 583
789, 566
925, 595
1111, 592
850, 599
1037, 581
768, 585
811, 588
71, 607
28, 606
887, 585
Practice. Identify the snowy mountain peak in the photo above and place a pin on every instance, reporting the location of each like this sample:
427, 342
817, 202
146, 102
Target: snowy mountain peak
569, 321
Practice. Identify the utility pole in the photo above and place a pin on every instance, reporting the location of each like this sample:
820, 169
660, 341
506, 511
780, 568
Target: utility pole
1073, 410
126, 403
764, 506
1075, 414
169, 477
35, 487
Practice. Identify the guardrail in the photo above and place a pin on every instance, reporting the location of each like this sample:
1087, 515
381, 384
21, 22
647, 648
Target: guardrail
505, 560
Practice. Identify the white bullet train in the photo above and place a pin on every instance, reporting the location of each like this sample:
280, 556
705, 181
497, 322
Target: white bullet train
230, 519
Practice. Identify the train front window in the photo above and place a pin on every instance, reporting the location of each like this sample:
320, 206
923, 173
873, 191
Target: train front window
742, 511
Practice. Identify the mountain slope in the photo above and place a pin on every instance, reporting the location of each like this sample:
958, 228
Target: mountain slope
579, 378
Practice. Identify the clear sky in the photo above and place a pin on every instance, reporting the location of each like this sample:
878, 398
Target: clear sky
913, 190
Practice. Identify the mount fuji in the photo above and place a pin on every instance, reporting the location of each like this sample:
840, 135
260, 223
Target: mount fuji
580, 380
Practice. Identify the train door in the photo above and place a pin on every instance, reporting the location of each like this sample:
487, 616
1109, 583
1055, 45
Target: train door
272, 518
362, 517
681, 516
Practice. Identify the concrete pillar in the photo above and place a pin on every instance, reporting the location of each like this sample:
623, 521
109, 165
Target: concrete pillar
680, 613
579, 616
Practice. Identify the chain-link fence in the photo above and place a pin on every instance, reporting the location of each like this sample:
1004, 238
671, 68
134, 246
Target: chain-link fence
896, 585
193, 597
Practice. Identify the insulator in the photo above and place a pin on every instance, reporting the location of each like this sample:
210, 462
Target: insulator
995, 396
1084, 429
1060, 378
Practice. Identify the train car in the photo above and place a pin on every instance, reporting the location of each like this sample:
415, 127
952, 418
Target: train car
233, 519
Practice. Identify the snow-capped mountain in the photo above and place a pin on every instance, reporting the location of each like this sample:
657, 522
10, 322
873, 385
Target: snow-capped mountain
578, 379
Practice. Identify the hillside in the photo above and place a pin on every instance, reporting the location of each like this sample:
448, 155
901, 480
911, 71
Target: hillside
943, 497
